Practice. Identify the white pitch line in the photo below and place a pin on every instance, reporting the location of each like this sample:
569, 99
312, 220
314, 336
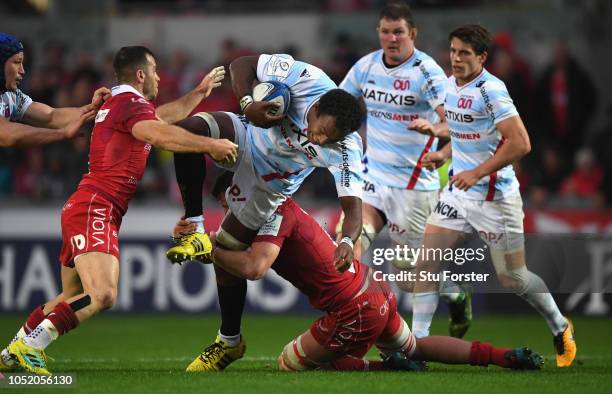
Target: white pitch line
148, 360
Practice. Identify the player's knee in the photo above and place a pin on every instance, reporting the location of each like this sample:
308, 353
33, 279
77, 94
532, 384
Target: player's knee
405, 285
105, 298
516, 280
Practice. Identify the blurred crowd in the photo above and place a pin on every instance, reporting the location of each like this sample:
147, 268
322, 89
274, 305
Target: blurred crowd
566, 168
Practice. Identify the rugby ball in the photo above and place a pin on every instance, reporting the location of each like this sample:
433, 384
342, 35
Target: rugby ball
276, 92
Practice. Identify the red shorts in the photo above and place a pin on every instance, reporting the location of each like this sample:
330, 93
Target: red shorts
355, 326
90, 223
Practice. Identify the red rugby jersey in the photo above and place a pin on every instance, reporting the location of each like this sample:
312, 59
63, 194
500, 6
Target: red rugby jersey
117, 160
306, 258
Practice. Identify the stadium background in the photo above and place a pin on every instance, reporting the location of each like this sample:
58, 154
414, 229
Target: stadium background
566, 181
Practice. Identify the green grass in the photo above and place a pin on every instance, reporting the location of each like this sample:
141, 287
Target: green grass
148, 354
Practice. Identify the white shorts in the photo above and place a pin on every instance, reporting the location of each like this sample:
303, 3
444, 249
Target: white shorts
406, 210
248, 198
499, 223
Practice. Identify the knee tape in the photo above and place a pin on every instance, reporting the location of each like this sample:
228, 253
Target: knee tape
229, 242
293, 357
403, 341
212, 124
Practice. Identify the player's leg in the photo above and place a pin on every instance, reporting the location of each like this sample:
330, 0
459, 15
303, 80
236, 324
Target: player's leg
397, 339
190, 170
425, 298
229, 344
71, 286
99, 275
501, 226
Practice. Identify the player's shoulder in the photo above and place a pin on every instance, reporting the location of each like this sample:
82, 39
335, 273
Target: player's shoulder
368, 59
427, 63
490, 82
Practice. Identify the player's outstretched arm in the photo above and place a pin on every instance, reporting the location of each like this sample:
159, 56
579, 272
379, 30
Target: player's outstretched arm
20, 135
177, 139
42, 115
251, 264
439, 130
351, 229
180, 108
516, 145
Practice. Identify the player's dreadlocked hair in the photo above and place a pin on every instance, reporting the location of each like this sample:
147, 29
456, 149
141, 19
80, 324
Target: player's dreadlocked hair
344, 108
476, 36
396, 10
129, 59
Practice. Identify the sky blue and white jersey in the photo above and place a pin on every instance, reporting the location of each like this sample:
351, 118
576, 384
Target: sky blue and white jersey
13, 105
282, 155
394, 97
472, 112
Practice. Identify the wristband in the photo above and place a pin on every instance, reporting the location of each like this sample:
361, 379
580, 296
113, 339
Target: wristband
348, 241
245, 101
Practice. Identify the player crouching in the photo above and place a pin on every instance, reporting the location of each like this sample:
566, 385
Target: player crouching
360, 311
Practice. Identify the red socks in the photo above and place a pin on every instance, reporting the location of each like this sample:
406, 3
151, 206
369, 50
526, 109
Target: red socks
484, 354
63, 318
35, 318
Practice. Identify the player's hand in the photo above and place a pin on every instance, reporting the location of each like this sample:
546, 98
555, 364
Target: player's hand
433, 160
258, 114
74, 127
422, 126
212, 80
343, 257
465, 179
183, 227
99, 97
223, 151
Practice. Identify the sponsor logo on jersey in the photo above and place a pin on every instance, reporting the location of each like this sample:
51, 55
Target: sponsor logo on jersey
272, 225
428, 80
279, 67
369, 187
458, 117
446, 210
345, 177
401, 84
392, 115
101, 115
465, 136
487, 100
305, 74
388, 98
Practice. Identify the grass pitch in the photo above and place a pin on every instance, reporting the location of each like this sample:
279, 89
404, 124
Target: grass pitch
148, 354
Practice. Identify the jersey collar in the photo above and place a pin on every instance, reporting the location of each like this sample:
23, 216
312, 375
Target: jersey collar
389, 70
125, 89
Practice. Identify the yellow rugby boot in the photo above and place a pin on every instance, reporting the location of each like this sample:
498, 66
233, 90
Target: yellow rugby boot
30, 359
194, 246
217, 356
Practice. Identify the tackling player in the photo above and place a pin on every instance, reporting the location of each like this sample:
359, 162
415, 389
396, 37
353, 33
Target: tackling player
360, 311
403, 90
39, 123
126, 127
273, 160
487, 136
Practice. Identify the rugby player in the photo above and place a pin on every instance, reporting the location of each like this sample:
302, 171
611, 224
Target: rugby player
24, 122
126, 127
275, 155
487, 136
360, 311
403, 90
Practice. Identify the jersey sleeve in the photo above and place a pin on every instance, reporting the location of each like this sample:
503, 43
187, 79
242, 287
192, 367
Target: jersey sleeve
498, 104
22, 103
345, 166
279, 68
136, 110
277, 228
351, 82
434, 86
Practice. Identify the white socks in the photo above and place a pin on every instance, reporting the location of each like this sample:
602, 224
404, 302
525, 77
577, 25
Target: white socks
199, 222
42, 335
232, 340
423, 308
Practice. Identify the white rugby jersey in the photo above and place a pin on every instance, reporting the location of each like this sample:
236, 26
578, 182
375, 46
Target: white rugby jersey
472, 111
13, 105
282, 155
394, 97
